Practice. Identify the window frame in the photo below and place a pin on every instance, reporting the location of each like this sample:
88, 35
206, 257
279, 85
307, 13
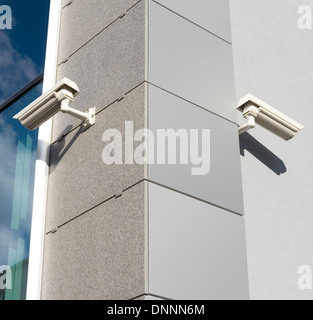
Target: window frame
34, 278
8, 102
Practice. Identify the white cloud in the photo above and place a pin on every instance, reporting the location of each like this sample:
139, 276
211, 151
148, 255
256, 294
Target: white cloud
15, 69
7, 168
7, 165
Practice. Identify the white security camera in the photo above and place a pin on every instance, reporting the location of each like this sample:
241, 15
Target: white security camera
257, 111
47, 105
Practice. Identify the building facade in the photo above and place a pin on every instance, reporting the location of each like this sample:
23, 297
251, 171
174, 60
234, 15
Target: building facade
161, 198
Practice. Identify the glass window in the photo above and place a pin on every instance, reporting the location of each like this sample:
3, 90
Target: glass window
22, 55
17, 170
22, 48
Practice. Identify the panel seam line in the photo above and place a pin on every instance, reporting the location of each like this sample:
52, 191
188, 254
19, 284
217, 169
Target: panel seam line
194, 23
97, 34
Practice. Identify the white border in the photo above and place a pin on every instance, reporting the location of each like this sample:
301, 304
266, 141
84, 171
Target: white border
42, 162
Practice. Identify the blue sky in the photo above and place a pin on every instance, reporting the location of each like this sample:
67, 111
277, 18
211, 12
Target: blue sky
22, 49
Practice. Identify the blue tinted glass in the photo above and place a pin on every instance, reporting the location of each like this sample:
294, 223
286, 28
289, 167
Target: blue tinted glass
17, 170
22, 47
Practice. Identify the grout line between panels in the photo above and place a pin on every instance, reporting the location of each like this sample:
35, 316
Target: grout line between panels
137, 297
195, 198
134, 88
151, 295
126, 11
194, 23
193, 103
147, 124
135, 184
99, 111
97, 34
159, 297
95, 206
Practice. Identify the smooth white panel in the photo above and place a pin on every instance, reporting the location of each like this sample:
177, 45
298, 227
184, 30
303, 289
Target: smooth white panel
196, 251
212, 15
190, 62
273, 60
220, 180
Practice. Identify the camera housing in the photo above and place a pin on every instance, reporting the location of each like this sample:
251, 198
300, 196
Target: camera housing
50, 103
257, 111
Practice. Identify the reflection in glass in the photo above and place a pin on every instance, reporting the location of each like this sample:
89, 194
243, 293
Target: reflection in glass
22, 48
17, 170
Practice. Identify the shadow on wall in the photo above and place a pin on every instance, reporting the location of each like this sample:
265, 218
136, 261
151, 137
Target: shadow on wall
57, 149
267, 157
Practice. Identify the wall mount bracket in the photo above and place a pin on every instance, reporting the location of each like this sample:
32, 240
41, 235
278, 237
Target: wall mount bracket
88, 118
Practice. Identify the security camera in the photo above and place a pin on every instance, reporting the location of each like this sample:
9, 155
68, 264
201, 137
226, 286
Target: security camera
255, 111
50, 103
